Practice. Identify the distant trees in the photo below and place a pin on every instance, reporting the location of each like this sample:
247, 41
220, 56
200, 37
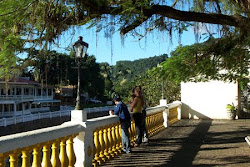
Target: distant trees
217, 59
100, 79
152, 88
29, 24
61, 69
126, 73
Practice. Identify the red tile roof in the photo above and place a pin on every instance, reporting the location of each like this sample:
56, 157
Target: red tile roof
23, 81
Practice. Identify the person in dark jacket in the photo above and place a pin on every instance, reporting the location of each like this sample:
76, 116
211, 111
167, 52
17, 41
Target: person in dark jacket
121, 110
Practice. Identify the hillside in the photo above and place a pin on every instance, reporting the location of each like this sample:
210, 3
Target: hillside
129, 69
126, 74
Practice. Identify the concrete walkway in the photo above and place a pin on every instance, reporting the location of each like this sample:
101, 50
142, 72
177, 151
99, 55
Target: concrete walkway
201, 143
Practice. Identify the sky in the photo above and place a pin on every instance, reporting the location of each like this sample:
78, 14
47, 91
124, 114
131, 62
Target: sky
111, 51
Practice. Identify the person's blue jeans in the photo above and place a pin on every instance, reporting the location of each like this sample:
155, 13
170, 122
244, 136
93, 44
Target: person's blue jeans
125, 136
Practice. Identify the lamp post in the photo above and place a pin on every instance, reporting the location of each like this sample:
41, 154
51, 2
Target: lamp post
80, 49
163, 101
162, 86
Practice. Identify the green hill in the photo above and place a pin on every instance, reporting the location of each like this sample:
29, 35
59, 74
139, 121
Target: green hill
129, 69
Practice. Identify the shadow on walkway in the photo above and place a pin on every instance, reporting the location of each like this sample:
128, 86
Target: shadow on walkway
190, 145
201, 143
171, 147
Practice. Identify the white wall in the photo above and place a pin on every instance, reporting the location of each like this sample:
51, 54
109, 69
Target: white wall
207, 100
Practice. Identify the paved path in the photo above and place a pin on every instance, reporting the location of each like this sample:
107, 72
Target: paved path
200, 143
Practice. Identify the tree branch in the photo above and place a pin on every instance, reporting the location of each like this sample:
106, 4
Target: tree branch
166, 11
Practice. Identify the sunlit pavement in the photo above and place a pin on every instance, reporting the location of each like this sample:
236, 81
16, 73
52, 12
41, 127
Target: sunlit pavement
201, 143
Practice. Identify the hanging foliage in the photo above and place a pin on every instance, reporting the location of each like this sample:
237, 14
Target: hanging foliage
29, 24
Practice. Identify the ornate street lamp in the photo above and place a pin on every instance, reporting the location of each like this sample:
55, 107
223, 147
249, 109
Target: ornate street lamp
80, 49
162, 85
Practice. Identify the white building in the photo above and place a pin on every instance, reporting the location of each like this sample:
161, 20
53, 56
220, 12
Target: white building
22, 96
208, 100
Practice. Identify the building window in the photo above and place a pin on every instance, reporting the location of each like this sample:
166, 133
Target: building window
31, 91
2, 92
39, 92
18, 91
49, 92
26, 91
19, 107
44, 92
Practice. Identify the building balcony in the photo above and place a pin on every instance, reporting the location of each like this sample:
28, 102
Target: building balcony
16, 98
23, 98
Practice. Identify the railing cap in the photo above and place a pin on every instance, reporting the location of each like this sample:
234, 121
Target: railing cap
20, 140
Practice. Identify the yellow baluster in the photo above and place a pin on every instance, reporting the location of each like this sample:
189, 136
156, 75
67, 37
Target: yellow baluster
130, 135
133, 132
169, 117
96, 148
114, 140
46, 156
147, 122
110, 141
25, 157
120, 134
118, 138
157, 123
13, 159
101, 146
63, 155
2, 160
70, 152
176, 113
152, 124
106, 142
149, 125
36, 156
161, 122
55, 161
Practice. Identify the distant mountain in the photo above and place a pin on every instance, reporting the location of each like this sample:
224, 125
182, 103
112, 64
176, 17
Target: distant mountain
129, 69
125, 71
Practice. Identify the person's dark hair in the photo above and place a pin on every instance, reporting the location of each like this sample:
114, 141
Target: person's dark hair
136, 87
117, 97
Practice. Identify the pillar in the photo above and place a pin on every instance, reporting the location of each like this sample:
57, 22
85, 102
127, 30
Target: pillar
23, 108
178, 109
14, 107
83, 143
163, 102
165, 117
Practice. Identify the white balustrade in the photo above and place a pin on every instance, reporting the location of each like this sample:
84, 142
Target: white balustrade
42, 113
83, 142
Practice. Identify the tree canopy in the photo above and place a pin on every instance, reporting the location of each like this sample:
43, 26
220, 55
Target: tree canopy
29, 24
216, 59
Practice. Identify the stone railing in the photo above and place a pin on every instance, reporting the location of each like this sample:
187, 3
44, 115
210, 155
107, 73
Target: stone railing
30, 117
42, 113
80, 142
